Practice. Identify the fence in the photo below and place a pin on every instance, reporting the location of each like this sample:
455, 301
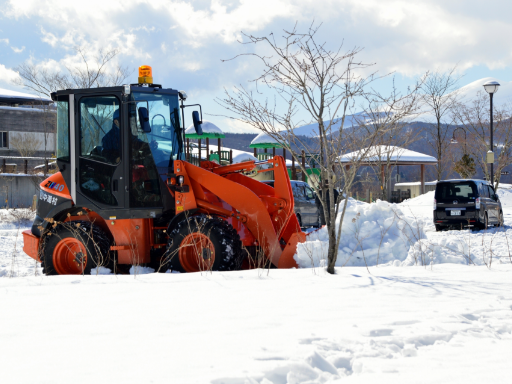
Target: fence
17, 191
11, 167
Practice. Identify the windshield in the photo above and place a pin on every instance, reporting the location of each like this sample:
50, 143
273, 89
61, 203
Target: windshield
165, 138
460, 191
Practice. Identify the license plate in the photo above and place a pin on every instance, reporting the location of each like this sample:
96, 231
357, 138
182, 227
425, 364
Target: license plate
455, 213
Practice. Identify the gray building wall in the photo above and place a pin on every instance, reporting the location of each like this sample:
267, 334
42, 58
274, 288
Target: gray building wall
41, 121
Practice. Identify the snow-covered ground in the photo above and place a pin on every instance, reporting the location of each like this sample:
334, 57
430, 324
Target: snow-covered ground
430, 307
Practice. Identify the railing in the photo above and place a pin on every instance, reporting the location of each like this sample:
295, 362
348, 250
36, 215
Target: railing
12, 168
226, 157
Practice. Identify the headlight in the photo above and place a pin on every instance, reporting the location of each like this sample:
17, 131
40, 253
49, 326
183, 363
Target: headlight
477, 203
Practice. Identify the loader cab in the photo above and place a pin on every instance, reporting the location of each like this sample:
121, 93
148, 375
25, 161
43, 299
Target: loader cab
116, 146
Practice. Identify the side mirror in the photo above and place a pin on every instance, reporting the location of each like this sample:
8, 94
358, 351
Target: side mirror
144, 119
197, 123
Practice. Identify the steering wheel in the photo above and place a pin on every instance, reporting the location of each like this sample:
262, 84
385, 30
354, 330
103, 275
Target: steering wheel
163, 117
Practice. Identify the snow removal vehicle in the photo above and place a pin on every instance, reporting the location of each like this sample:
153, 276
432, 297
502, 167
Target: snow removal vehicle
127, 195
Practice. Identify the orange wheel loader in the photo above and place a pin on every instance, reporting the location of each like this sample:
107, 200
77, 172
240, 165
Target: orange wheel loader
126, 196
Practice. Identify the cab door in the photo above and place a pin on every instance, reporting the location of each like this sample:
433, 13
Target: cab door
98, 146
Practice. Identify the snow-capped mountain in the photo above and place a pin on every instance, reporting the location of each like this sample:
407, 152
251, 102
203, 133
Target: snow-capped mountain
466, 94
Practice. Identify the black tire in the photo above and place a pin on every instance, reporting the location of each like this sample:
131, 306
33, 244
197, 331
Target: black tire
439, 228
92, 237
224, 238
501, 220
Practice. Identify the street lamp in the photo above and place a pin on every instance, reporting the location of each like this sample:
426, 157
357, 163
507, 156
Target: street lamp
491, 87
454, 140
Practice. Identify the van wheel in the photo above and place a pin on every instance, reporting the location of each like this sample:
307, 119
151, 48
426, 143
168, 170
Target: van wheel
438, 228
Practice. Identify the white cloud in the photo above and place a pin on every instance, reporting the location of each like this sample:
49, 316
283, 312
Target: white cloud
18, 50
185, 40
7, 76
402, 35
6, 41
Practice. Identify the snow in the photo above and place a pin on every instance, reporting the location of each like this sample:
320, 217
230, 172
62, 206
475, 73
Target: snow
264, 138
372, 234
208, 127
21, 95
242, 156
441, 319
311, 130
382, 152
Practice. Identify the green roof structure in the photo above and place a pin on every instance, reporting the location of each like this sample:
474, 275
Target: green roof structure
210, 131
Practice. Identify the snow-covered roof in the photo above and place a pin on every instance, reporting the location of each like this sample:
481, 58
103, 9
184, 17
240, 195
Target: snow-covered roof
264, 140
395, 155
411, 183
241, 156
209, 130
13, 97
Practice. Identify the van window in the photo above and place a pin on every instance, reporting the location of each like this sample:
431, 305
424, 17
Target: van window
484, 191
298, 190
491, 192
462, 191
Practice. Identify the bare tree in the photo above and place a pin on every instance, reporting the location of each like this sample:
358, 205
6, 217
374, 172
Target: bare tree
387, 117
94, 70
441, 95
474, 118
26, 143
310, 83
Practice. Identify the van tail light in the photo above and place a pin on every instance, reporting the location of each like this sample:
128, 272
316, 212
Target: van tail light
477, 203
435, 204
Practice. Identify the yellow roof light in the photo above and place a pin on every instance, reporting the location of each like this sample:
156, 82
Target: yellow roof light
145, 74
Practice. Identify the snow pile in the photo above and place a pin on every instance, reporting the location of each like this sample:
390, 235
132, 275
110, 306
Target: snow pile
372, 234
140, 270
505, 195
490, 247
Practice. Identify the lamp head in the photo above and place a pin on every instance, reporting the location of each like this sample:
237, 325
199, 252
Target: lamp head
491, 87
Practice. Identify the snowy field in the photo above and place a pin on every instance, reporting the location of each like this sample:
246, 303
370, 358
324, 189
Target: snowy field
407, 305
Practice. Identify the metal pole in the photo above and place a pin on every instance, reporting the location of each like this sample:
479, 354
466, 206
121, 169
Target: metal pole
492, 146
303, 166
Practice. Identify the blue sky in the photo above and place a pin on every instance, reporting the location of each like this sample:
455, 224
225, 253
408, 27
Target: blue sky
185, 41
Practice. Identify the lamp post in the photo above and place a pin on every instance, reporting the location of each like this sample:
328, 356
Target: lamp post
491, 87
454, 140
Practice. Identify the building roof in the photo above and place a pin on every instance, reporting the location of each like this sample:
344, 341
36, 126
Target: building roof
13, 97
264, 140
385, 153
210, 131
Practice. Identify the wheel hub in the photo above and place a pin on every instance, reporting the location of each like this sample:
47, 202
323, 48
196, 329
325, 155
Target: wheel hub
196, 253
69, 257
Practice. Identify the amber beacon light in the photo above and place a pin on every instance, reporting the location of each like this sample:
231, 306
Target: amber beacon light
145, 74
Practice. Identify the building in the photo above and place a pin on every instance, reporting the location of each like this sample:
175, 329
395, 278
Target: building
27, 126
